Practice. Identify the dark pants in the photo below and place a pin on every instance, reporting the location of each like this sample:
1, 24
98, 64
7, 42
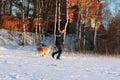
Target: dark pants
59, 52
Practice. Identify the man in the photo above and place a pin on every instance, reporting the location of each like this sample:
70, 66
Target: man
59, 43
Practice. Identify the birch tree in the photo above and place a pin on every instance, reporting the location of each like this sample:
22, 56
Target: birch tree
77, 27
36, 24
67, 18
80, 27
0, 7
86, 20
95, 35
23, 21
40, 6
59, 15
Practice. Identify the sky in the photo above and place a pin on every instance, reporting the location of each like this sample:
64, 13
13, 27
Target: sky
113, 5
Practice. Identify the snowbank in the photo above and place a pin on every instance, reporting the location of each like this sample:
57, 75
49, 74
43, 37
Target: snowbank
14, 39
2, 48
8, 37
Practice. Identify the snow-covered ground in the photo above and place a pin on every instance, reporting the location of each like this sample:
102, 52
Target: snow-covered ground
22, 63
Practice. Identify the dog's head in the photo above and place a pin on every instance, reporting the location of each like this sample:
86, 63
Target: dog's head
39, 49
50, 47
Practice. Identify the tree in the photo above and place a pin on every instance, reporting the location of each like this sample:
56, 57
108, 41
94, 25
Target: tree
113, 35
67, 18
55, 24
36, 4
78, 36
28, 8
95, 35
0, 6
0, 11
23, 21
11, 1
4, 12
21, 15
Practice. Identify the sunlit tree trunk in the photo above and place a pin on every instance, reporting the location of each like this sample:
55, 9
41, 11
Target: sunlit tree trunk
59, 15
67, 17
78, 28
36, 24
23, 21
95, 35
0, 6
40, 5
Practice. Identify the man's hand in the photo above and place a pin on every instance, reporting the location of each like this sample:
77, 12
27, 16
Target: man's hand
58, 35
63, 43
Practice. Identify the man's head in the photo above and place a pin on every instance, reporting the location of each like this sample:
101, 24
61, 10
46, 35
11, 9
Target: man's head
62, 31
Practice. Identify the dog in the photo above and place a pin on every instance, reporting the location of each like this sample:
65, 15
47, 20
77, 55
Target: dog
44, 51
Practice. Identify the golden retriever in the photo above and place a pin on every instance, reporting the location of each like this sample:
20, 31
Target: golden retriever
44, 51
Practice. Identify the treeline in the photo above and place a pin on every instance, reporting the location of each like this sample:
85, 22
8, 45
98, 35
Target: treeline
108, 41
96, 39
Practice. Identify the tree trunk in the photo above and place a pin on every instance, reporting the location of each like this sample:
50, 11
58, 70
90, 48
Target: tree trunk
95, 35
23, 21
0, 6
67, 17
39, 22
36, 26
77, 29
11, 7
59, 15
28, 8
55, 21
80, 28
4, 11
86, 20
0, 11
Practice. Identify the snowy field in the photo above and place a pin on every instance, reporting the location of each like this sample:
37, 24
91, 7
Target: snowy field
22, 63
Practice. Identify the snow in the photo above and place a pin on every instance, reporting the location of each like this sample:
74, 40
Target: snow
8, 37
22, 63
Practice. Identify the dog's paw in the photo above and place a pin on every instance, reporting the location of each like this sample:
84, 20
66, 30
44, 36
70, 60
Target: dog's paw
42, 55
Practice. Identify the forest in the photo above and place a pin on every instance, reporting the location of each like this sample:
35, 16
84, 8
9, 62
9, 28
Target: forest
92, 25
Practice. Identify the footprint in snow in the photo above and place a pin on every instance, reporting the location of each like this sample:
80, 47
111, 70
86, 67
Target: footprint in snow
54, 64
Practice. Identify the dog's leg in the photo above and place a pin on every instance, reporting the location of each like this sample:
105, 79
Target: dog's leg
41, 54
